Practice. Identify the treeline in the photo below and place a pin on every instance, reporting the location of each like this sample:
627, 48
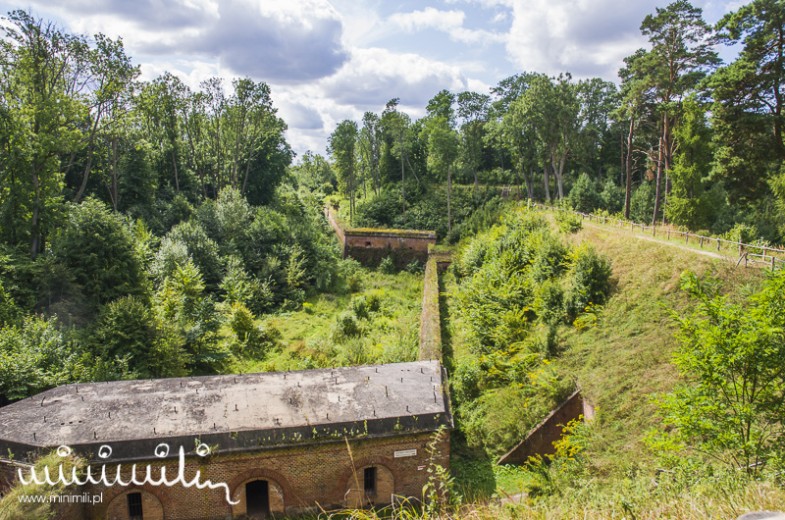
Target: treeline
684, 138
144, 225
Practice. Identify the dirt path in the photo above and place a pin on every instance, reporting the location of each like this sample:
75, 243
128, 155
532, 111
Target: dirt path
710, 254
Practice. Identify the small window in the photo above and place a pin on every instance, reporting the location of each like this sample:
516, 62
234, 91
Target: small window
135, 506
367, 244
370, 481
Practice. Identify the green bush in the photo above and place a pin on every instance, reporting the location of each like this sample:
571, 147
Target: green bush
346, 326
642, 203
612, 197
588, 281
363, 306
568, 221
583, 196
387, 265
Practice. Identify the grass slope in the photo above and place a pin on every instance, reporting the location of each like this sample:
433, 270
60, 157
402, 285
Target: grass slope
625, 360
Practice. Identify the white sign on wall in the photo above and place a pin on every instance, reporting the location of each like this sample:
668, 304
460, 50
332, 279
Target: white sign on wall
405, 453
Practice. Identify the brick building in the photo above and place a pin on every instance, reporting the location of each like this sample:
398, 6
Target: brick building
274, 443
370, 246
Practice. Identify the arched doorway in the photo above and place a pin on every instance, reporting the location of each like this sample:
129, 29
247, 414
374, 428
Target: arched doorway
257, 499
258, 496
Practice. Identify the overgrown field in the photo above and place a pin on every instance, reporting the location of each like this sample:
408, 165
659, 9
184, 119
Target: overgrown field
375, 321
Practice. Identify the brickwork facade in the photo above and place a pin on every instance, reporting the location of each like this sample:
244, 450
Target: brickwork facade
539, 441
371, 246
299, 480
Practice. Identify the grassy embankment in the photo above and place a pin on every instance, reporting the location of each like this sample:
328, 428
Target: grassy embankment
621, 363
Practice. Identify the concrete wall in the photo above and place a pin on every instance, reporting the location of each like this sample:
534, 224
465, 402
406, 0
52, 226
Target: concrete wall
539, 441
299, 479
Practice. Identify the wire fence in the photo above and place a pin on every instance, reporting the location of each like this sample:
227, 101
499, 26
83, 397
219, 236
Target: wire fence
749, 254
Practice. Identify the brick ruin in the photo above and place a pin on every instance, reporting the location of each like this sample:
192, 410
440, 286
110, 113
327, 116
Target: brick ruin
283, 443
370, 246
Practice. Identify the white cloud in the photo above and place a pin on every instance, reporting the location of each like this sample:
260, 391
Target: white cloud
579, 36
450, 22
428, 18
375, 75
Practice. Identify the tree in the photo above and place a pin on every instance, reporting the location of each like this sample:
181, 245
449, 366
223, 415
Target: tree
681, 53
442, 152
109, 77
689, 203
634, 106
40, 118
396, 125
748, 97
732, 407
160, 103
342, 147
371, 148
473, 113
98, 250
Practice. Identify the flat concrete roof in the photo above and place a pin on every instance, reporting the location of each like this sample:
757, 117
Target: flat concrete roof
93, 414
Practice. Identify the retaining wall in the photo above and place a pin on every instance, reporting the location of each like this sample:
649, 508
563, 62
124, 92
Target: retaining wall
540, 439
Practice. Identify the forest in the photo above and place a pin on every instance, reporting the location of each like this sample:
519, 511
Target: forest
151, 229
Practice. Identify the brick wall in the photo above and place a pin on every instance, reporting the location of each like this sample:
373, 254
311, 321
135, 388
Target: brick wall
299, 479
371, 246
540, 439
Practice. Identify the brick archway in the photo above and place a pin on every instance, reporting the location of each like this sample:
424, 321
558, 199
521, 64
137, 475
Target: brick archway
279, 489
152, 504
352, 482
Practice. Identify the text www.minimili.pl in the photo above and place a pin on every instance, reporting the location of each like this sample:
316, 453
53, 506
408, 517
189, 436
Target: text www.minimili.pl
110, 479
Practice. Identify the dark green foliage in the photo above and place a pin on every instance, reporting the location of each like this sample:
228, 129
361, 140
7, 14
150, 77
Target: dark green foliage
387, 265
201, 249
583, 196
35, 356
642, 203
97, 249
588, 281
126, 330
364, 306
347, 326
612, 197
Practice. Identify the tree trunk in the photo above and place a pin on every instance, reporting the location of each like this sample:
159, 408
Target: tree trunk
529, 179
449, 198
403, 189
628, 168
114, 191
35, 224
546, 181
657, 183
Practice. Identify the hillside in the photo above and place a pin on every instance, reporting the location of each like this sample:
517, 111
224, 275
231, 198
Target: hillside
621, 362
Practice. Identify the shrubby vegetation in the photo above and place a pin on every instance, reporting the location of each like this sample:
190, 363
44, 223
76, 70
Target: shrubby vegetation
517, 282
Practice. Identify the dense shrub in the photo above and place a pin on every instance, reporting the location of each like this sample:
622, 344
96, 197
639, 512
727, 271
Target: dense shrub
642, 203
583, 196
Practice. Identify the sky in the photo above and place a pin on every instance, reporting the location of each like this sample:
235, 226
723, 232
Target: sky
327, 61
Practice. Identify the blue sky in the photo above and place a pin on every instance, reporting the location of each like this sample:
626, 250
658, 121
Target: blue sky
331, 60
